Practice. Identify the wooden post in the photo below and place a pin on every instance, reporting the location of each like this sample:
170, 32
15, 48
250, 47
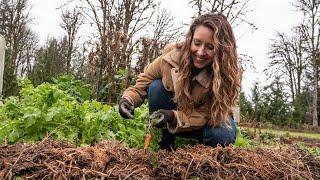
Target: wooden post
236, 113
2, 51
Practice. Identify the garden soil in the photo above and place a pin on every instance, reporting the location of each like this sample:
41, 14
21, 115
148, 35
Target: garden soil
50, 159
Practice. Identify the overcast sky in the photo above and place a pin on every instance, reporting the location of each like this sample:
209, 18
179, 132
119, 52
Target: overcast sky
268, 15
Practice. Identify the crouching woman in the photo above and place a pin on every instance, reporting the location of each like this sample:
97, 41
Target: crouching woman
192, 87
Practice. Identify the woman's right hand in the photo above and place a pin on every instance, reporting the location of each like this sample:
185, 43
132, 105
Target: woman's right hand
126, 109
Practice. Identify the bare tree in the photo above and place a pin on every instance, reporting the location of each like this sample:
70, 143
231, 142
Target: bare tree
71, 22
26, 55
14, 26
311, 32
234, 10
80, 65
288, 61
163, 31
116, 24
16, 17
144, 55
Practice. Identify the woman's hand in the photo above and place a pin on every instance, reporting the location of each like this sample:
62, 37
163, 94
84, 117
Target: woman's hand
126, 109
160, 118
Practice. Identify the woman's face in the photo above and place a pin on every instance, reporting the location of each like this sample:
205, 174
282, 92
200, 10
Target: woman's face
202, 49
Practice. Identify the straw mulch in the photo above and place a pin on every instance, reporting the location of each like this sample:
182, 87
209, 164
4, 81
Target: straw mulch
50, 159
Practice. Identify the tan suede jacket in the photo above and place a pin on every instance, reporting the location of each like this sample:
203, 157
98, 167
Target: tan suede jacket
166, 68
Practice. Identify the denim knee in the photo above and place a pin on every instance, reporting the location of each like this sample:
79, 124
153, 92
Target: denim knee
155, 88
212, 136
159, 97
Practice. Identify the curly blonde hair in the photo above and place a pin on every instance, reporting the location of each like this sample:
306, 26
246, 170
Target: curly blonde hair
226, 74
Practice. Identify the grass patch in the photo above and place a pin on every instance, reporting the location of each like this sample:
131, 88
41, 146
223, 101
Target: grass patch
284, 133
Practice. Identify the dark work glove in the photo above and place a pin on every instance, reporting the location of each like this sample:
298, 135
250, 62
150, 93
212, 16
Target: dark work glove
160, 118
126, 109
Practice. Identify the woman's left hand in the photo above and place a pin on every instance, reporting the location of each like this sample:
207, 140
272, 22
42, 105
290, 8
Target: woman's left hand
161, 117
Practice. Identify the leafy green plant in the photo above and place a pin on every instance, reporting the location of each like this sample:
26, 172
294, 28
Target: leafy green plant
50, 110
313, 150
75, 88
241, 140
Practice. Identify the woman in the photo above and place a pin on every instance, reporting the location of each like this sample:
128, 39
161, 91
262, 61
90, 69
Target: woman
192, 86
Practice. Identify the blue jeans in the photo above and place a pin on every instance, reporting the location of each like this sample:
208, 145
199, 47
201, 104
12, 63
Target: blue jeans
159, 98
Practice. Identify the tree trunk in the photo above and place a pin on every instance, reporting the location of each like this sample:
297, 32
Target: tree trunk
2, 56
315, 95
101, 70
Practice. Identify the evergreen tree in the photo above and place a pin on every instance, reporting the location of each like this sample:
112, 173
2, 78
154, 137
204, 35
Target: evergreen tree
246, 109
276, 108
49, 62
256, 102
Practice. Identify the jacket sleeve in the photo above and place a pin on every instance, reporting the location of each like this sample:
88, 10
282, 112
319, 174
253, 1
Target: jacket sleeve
193, 120
138, 92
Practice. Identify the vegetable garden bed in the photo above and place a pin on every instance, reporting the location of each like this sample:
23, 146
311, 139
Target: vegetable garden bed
49, 159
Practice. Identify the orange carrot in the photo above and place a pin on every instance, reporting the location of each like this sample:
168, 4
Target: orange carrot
147, 141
